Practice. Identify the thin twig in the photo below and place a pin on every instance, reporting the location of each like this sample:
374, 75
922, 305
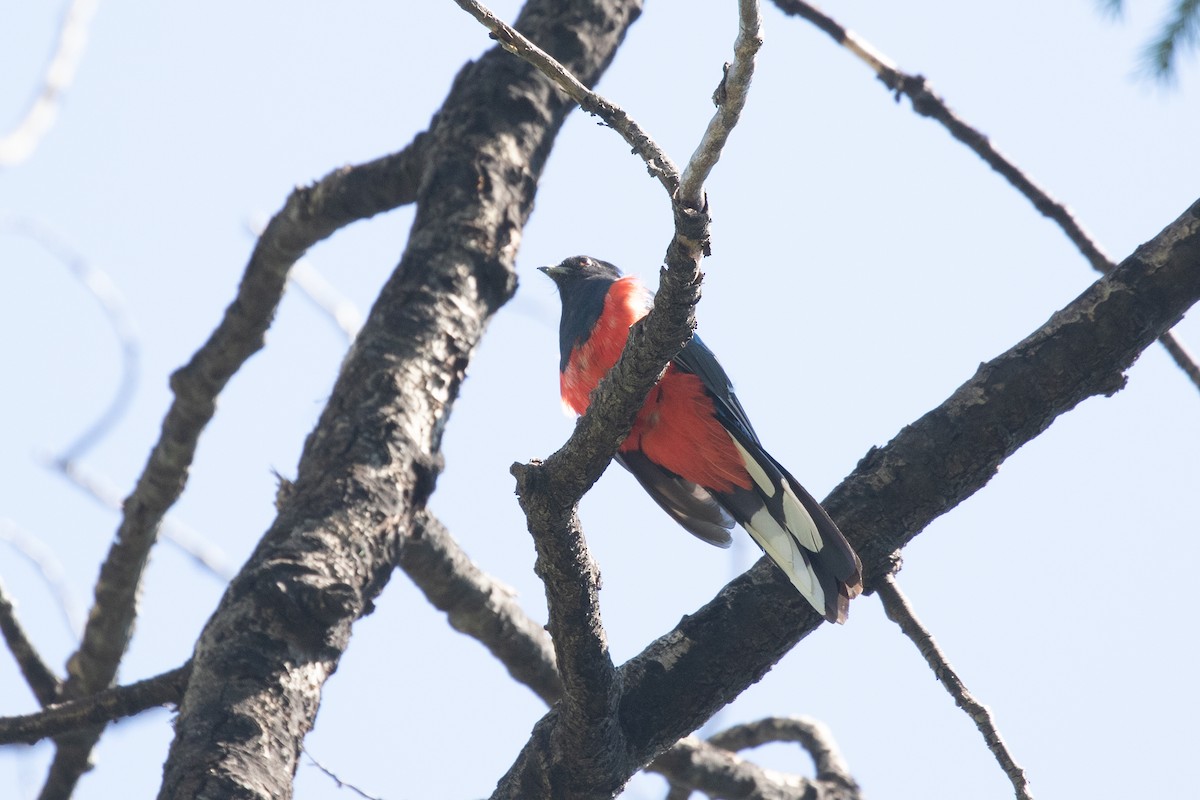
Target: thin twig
657, 161
898, 610
926, 103
341, 784
41, 679
111, 704
19, 144
730, 99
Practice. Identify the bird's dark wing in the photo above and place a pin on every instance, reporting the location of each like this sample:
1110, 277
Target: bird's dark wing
697, 359
795, 532
688, 504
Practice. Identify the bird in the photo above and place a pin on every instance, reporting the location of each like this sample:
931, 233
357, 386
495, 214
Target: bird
692, 447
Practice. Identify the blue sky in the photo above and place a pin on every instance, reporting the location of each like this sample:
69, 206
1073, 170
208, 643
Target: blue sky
864, 264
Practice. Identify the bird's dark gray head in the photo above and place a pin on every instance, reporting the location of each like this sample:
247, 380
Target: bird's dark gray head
583, 283
578, 269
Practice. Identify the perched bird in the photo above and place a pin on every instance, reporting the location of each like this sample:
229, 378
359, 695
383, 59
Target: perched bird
692, 446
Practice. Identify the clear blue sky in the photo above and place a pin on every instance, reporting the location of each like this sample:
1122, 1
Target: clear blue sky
864, 264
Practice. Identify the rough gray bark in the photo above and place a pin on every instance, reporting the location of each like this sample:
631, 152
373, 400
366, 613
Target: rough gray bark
681, 679
373, 459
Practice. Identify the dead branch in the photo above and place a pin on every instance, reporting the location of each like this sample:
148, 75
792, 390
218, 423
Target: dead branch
41, 679
900, 611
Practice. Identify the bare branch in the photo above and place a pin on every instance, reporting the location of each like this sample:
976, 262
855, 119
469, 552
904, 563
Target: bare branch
486, 610
926, 103
341, 784
723, 775
811, 734
41, 679
657, 162
18, 144
106, 706
373, 459
309, 215
900, 611
730, 99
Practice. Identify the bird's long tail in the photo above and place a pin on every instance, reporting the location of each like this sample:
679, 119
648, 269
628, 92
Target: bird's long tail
795, 532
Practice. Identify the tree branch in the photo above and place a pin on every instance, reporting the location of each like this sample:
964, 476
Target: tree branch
814, 736
928, 104
730, 99
684, 677
373, 459
549, 492
484, 609
111, 704
900, 611
309, 215
41, 679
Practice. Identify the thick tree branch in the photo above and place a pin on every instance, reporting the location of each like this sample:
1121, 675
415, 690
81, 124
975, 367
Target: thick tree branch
373, 459
86, 712
679, 681
309, 215
41, 679
928, 104
899, 610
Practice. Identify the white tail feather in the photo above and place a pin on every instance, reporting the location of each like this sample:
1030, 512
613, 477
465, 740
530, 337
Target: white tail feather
783, 549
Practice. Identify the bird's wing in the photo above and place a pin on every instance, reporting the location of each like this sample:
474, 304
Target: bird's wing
697, 359
782, 517
688, 504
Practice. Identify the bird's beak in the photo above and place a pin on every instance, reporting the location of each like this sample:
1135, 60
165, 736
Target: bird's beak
552, 272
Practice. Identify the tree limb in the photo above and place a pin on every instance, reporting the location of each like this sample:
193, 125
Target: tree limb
309, 215
480, 607
928, 104
111, 704
589, 738
41, 679
373, 459
730, 99
814, 736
